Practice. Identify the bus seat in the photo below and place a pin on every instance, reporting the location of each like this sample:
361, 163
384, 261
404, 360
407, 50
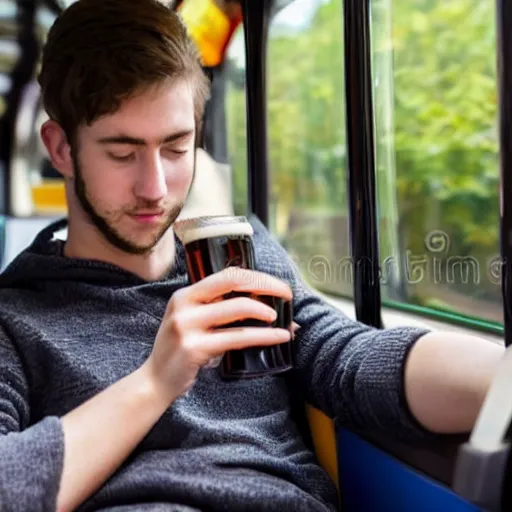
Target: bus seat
19, 233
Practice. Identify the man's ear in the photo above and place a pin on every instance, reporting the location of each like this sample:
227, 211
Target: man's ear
58, 147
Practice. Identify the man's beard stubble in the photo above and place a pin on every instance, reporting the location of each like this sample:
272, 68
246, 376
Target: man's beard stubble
102, 224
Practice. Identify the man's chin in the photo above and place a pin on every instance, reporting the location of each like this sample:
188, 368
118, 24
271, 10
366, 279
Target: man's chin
130, 240
141, 246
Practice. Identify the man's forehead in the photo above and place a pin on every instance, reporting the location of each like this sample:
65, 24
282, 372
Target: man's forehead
153, 115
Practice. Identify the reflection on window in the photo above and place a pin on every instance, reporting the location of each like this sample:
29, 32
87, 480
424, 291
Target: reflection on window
436, 107
307, 141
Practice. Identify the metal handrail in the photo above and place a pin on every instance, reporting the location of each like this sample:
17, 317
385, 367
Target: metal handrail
504, 54
361, 162
256, 16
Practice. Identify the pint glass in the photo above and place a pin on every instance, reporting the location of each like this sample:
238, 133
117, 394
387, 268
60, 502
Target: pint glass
212, 244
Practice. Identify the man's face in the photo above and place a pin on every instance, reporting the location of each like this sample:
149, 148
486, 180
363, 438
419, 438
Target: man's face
134, 168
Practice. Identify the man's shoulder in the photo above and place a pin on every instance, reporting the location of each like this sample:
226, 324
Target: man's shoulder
17, 302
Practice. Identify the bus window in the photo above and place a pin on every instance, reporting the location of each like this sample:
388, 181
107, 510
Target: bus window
236, 120
307, 149
436, 140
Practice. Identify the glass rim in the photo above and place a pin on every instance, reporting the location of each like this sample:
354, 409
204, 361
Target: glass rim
211, 226
208, 220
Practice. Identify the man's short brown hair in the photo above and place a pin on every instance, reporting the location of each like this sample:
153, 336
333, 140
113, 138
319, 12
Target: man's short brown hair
101, 52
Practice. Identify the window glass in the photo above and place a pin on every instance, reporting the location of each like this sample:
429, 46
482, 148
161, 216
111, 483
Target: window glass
307, 143
236, 120
436, 140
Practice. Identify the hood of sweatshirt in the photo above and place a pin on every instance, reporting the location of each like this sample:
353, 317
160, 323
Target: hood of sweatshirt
44, 261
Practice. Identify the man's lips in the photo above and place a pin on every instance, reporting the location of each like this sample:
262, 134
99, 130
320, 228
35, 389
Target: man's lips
147, 216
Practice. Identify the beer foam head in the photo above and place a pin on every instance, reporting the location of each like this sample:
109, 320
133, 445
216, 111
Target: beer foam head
199, 228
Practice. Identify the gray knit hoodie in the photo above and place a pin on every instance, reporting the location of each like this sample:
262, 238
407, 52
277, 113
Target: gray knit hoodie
70, 328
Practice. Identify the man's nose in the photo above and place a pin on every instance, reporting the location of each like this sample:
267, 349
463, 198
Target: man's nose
151, 183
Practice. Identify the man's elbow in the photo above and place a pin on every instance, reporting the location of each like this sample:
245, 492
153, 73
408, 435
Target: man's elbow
447, 376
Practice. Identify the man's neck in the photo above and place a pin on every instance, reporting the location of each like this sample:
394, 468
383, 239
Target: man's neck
85, 242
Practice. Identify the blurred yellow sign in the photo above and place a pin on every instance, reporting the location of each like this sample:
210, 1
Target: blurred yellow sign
209, 28
49, 197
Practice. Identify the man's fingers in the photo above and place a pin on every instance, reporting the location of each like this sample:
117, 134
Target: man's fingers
224, 312
235, 338
236, 279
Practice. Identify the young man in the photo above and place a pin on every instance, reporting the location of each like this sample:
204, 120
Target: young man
106, 398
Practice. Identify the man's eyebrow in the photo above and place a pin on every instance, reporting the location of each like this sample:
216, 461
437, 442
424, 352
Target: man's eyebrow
134, 141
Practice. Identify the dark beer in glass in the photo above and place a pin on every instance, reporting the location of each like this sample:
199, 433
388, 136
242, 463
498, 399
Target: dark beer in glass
212, 244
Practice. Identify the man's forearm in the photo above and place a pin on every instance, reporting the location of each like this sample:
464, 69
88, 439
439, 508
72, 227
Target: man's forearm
100, 434
447, 376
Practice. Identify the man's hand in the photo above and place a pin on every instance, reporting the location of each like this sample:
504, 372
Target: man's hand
193, 329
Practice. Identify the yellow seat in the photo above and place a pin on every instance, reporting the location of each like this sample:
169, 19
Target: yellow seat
324, 440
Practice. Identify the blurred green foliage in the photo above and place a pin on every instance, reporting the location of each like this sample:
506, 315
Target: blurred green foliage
435, 103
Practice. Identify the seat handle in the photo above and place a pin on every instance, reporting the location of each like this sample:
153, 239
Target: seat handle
482, 461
